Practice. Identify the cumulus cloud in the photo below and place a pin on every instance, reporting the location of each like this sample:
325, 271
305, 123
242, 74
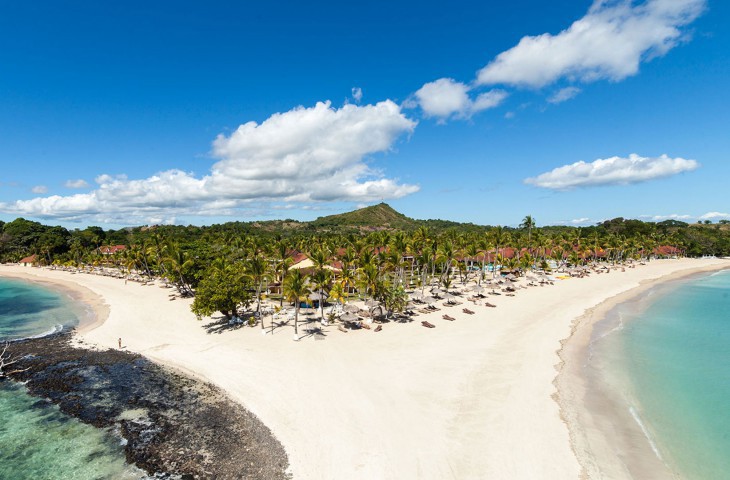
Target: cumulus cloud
315, 154
609, 42
80, 183
612, 171
563, 95
446, 97
715, 216
39, 189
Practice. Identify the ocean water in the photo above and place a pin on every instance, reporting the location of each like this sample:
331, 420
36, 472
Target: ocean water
27, 309
37, 441
668, 353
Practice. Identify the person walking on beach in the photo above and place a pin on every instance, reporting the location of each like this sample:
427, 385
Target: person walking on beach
120, 342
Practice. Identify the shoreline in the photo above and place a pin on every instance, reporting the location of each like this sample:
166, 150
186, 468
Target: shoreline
456, 402
609, 440
97, 311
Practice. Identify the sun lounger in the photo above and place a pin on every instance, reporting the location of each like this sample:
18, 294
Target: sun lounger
427, 324
447, 317
378, 328
467, 311
487, 304
341, 329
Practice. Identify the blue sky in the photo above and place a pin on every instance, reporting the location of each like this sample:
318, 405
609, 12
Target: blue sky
131, 114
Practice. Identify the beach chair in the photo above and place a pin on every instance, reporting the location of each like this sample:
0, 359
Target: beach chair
428, 324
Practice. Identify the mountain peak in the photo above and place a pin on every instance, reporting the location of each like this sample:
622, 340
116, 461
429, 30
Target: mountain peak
381, 215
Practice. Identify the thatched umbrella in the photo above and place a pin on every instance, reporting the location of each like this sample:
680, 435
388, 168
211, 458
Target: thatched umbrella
349, 317
351, 308
371, 303
449, 297
317, 297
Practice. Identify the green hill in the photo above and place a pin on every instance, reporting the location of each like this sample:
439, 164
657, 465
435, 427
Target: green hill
377, 216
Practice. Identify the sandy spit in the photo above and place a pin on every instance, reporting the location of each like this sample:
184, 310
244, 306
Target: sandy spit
470, 399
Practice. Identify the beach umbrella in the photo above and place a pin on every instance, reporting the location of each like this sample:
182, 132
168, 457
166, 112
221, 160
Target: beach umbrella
351, 308
315, 296
449, 297
429, 300
348, 317
477, 289
371, 303
417, 295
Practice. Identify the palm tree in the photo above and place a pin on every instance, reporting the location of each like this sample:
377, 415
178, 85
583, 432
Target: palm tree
528, 223
257, 267
322, 280
499, 237
282, 263
296, 290
180, 262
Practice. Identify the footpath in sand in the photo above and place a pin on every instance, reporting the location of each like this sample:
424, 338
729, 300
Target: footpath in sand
469, 399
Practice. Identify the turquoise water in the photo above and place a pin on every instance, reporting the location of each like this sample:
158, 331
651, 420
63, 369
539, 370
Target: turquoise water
673, 349
37, 441
27, 309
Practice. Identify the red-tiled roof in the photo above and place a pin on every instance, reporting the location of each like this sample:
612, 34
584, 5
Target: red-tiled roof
107, 250
30, 259
297, 257
666, 250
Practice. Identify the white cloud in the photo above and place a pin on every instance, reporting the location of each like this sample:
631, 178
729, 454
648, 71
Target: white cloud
661, 218
715, 216
487, 100
609, 42
446, 97
443, 97
563, 95
583, 221
612, 171
80, 183
357, 94
304, 155
39, 189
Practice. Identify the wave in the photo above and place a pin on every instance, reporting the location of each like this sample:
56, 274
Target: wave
646, 433
58, 328
617, 328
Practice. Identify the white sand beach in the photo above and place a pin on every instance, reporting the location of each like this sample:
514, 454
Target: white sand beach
473, 398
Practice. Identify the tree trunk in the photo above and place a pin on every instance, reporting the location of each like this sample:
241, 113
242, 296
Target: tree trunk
296, 319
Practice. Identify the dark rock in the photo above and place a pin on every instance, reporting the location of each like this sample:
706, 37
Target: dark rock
174, 426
